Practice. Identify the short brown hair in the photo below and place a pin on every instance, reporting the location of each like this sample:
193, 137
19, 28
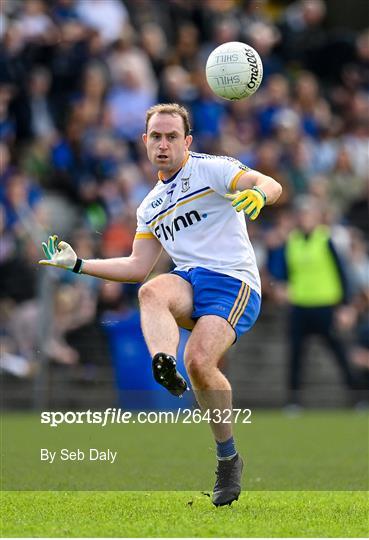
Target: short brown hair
170, 108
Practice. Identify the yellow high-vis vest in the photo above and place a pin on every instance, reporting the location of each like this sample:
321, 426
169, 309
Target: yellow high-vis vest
313, 276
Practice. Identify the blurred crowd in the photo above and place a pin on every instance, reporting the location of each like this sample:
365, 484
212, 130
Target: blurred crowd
76, 77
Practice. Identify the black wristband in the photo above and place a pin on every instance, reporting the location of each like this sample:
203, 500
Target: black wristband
78, 266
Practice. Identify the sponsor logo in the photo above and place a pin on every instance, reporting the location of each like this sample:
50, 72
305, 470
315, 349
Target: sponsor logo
167, 232
226, 58
228, 80
254, 69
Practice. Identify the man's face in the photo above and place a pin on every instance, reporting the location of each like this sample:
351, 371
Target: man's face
166, 142
309, 218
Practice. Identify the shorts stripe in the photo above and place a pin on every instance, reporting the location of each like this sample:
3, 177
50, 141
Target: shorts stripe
237, 302
239, 309
242, 307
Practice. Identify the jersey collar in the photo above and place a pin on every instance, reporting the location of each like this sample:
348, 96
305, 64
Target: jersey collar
161, 176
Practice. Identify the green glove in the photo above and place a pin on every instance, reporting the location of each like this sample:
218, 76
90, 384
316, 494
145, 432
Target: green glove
61, 255
251, 201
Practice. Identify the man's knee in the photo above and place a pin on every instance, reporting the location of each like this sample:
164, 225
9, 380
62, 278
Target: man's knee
149, 293
168, 291
196, 365
155, 292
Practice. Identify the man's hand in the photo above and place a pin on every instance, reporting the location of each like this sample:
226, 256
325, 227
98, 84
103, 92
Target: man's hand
61, 255
251, 201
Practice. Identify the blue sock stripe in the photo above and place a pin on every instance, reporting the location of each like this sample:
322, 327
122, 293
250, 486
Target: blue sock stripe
226, 449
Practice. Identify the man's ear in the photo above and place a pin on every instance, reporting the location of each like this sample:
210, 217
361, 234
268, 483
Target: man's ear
189, 139
144, 138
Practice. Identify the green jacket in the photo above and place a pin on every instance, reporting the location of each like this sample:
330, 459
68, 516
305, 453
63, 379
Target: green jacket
314, 277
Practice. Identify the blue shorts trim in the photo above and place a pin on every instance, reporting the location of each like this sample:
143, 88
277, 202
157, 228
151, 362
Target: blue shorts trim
222, 295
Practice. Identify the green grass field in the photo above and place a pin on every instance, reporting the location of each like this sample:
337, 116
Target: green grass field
183, 514
304, 477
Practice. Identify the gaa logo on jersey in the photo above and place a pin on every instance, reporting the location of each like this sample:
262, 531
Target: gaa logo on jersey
157, 203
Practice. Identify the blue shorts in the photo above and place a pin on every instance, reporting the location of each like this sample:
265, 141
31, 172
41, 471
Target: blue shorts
222, 295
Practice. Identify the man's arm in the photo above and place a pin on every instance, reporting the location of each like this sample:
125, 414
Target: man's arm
267, 184
133, 269
254, 191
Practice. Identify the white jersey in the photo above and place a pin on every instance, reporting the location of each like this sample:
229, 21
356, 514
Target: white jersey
195, 224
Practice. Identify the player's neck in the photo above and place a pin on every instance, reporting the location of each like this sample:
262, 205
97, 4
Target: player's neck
166, 175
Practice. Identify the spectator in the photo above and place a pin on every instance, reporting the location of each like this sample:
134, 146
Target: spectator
7, 125
13, 60
301, 30
175, 85
344, 186
207, 114
126, 57
88, 103
312, 109
222, 30
355, 317
68, 161
11, 361
5, 168
73, 308
107, 16
316, 287
17, 276
21, 199
268, 159
126, 105
33, 110
357, 213
155, 45
3, 21
64, 10
251, 12
186, 48
34, 24
263, 37
275, 100
67, 63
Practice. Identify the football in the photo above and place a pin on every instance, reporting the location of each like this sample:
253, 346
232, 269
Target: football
234, 70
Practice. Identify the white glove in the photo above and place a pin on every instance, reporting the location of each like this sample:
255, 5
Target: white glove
61, 255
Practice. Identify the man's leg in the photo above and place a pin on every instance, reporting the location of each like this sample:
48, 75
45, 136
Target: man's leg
163, 300
296, 342
336, 345
210, 339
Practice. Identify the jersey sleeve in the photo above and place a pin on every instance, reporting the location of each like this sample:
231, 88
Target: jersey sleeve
223, 173
142, 230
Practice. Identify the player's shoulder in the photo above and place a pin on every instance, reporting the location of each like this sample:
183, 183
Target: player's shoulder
212, 160
152, 199
200, 157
